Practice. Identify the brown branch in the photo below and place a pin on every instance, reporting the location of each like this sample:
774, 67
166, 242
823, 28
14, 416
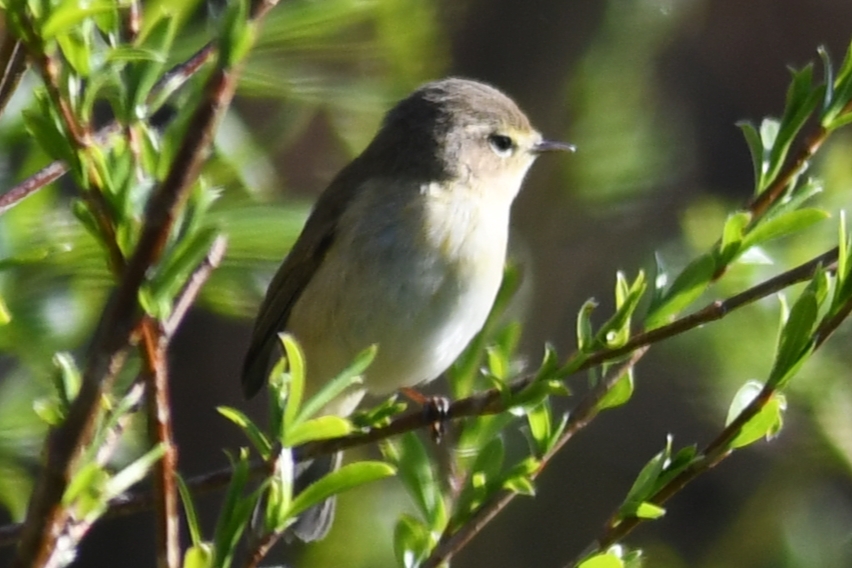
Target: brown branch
117, 323
763, 201
173, 79
186, 297
488, 402
48, 67
43, 177
715, 452
169, 82
156, 375
154, 347
456, 538
259, 551
830, 324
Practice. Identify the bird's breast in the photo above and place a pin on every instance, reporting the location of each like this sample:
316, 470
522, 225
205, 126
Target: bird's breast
418, 281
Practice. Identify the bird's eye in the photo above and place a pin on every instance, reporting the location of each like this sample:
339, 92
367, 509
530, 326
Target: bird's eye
501, 144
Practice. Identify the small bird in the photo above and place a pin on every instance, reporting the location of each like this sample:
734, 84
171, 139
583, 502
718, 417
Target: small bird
405, 249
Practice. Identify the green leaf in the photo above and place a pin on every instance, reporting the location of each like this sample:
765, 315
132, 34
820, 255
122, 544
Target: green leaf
279, 493
238, 34
49, 136
649, 511
520, 485
519, 477
236, 510
417, 474
755, 147
742, 399
498, 364
646, 482
535, 393
687, 287
347, 378
620, 393
90, 478
69, 378
843, 286
189, 511
321, 428
145, 72
49, 411
78, 53
295, 358
539, 423
802, 100
133, 473
200, 555
732, 236
412, 541
380, 415
490, 459
797, 339
126, 53
839, 94
183, 261
681, 460
783, 225
69, 14
765, 424
349, 476
616, 331
603, 560
85, 492
585, 333
550, 367
255, 435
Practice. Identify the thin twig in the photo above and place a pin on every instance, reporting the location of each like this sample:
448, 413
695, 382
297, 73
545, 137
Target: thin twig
487, 402
117, 323
715, 452
455, 538
186, 297
43, 177
172, 80
762, 202
169, 82
155, 345
13, 65
261, 549
77, 527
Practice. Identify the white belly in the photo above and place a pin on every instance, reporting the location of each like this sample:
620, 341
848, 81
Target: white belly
420, 301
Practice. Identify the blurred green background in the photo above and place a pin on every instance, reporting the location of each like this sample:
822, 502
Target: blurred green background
649, 91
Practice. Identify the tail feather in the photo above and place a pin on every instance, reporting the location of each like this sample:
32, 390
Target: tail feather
314, 523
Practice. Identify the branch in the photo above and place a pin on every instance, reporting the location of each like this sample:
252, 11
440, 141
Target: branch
156, 375
713, 454
186, 297
486, 402
453, 541
155, 343
761, 203
173, 79
120, 317
13, 65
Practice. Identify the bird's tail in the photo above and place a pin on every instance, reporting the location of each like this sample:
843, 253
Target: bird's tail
314, 523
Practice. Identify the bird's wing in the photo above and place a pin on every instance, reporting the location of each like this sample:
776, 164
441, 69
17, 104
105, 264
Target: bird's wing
293, 276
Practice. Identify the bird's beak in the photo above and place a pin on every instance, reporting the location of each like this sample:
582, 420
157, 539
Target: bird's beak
552, 146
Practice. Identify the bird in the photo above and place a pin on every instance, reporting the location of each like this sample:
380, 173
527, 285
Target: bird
405, 249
